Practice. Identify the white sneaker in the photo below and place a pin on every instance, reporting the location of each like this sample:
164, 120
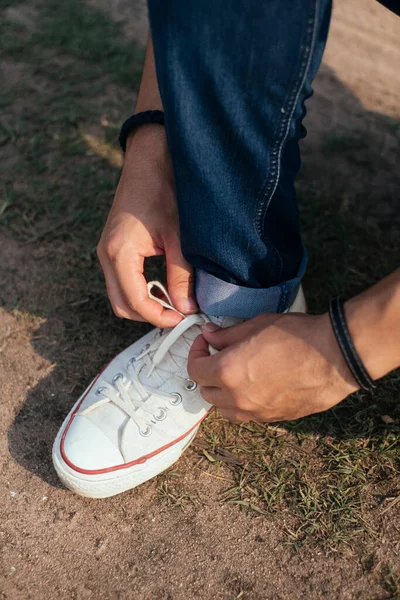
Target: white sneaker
139, 414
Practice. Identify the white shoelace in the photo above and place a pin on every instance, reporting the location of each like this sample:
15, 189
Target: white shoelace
132, 395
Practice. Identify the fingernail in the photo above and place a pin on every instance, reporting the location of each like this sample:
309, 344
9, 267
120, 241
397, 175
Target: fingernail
210, 327
189, 305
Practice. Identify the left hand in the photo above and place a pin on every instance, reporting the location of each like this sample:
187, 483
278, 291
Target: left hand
275, 367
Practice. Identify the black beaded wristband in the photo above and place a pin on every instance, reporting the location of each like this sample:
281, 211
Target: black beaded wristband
142, 118
343, 337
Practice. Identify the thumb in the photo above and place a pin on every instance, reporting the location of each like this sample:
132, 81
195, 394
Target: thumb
221, 338
198, 360
180, 278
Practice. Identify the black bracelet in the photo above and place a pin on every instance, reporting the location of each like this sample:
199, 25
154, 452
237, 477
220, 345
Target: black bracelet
343, 337
142, 118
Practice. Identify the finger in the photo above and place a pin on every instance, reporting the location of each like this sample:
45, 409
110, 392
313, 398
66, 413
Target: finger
218, 397
201, 366
222, 399
129, 273
180, 278
118, 303
236, 416
211, 394
221, 338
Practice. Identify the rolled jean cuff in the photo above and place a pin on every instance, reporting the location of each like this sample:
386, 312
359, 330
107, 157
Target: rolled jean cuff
219, 298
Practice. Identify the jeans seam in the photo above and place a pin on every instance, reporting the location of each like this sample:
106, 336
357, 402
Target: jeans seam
271, 182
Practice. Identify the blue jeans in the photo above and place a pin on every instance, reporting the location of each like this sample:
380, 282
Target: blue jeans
233, 77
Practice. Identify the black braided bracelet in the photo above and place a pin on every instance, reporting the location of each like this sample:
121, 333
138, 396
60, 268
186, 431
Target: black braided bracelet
142, 118
343, 337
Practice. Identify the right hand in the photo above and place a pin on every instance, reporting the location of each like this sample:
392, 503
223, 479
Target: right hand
143, 222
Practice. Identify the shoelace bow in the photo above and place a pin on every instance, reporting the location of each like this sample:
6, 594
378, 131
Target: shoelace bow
132, 395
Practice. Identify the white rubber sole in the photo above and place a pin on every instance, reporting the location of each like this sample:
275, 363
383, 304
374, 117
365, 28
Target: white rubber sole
121, 480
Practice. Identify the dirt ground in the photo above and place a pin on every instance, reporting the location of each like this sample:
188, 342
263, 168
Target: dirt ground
176, 537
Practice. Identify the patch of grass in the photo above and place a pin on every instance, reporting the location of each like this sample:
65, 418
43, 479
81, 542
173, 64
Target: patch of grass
74, 29
65, 80
391, 583
62, 189
318, 485
88, 34
170, 492
345, 143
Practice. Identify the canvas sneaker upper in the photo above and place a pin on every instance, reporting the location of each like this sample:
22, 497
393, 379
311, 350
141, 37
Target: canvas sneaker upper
142, 403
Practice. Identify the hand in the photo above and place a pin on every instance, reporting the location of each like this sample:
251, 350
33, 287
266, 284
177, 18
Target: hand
276, 367
143, 222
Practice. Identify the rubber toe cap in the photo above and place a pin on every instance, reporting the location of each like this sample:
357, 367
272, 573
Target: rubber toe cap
86, 447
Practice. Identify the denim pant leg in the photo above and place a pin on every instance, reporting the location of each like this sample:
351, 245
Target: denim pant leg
233, 77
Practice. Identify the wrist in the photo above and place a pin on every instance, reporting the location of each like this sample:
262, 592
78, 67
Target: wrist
338, 372
148, 141
374, 328
149, 101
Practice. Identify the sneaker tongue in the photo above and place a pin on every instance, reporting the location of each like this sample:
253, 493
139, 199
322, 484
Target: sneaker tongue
225, 321
157, 379
174, 360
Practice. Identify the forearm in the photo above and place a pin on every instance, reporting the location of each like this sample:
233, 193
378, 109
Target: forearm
150, 147
374, 322
149, 95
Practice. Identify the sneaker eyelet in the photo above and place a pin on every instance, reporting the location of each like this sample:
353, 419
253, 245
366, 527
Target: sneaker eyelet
145, 432
190, 385
178, 399
161, 415
145, 348
100, 390
117, 376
